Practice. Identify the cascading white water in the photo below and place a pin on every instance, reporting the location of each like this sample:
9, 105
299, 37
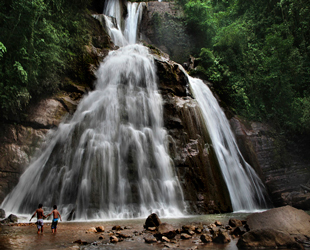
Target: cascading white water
110, 160
245, 187
122, 35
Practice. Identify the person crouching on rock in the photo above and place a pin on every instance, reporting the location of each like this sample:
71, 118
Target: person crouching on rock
40, 216
56, 217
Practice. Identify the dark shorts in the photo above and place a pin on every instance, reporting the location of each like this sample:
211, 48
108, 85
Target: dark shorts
54, 223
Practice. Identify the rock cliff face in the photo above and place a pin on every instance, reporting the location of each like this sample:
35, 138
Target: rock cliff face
163, 26
283, 165
189, 143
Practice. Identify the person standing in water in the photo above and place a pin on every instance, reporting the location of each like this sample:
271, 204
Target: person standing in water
56, 217
40, 216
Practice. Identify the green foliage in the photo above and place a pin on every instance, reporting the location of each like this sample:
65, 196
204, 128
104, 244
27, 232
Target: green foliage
39, 41
258, 57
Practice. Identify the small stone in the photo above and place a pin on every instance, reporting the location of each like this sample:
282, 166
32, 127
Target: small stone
185, 236
151, 228
127, 227
218, 223
190, 232
150, 240
188, 228
205, 238
92, 230
164, 239
117, 228
81, 242
100, 229
113, 239
101, 237
124, 235
235, 222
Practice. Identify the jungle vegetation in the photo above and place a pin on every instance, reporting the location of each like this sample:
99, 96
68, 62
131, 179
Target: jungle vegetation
257, 55
40, 41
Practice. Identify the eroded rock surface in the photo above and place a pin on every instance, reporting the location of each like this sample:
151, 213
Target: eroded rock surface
278, 227
283, 165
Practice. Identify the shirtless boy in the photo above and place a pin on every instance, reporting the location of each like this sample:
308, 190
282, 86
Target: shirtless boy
40, 216
56, 217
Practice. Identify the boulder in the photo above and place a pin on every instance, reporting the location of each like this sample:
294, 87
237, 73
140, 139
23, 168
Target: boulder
286, 219
165, 229
276, 227
267, 238
152, 221
13, 218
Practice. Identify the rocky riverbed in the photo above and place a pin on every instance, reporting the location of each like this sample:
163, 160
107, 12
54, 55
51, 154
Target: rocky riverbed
284, 227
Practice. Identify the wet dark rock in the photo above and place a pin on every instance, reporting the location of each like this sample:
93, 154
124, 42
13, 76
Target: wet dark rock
165, 229
218, 223
117, 228
237, 231
2, 213
187, 228
81, 242
267, 238
100, 229
13, 218
221, 236
206, 238
114, 239
152, 221
235, 222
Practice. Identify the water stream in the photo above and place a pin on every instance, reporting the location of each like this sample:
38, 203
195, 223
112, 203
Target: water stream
246, 190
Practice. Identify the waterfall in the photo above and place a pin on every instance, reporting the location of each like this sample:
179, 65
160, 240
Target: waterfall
122, 33
110, 160
245, 188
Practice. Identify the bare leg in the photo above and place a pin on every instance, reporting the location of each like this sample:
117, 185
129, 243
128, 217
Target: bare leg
42, 229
